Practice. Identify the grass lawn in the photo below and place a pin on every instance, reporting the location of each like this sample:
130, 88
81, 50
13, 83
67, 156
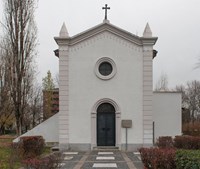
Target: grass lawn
5, 153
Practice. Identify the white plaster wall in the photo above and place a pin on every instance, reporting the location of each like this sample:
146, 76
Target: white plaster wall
85, 88
48, 129
167, 113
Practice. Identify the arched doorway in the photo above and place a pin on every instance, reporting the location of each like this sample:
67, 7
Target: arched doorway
106, 125
94, 121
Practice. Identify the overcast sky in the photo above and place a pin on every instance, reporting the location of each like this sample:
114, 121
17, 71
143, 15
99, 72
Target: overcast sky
176, 23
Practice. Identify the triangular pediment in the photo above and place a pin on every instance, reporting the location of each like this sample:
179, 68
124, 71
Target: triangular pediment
105, 27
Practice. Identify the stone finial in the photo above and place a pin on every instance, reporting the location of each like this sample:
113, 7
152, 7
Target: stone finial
147, 31
64, 32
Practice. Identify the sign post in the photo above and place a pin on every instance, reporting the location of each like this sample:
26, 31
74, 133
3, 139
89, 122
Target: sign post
126, 124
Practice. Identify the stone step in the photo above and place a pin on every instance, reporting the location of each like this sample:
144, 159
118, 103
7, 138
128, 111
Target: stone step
105, 153
106, 148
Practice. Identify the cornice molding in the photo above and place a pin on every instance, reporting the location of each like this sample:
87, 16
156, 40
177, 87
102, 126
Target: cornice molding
149, 41
105, 27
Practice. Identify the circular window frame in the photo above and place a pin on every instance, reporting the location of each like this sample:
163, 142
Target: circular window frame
100, 61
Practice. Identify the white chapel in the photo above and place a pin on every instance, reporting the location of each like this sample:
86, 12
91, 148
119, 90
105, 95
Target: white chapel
106, 96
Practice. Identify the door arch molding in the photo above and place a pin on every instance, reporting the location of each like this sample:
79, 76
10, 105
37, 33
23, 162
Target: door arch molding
94, 121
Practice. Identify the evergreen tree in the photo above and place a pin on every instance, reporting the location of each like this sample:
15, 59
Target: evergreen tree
48, 86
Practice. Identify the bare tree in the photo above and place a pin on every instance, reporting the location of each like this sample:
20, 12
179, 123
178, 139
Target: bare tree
21, 34
36, 106
162, 83
182, 90
6, 107
191, 99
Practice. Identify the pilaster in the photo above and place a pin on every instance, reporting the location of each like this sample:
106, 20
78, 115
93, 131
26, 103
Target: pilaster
64, 96
147, 95
148, 42
62, 42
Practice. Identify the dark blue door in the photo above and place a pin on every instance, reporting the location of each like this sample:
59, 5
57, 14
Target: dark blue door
106, 125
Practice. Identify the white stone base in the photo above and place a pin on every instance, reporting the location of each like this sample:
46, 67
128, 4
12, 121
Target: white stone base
105, 158
105, 165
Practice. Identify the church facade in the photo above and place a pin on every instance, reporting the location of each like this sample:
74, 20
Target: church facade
105, 90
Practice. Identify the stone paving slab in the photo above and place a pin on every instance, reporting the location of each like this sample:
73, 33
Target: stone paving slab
104, 165
70, 153
133, 157
105, 153
120, 165
69, 165
86, 160
105, 158
93, 158
73, 153
138, 165
136, 158
72, 158
68, 158
96, 152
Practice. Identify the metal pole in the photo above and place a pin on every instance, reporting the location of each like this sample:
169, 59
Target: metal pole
126, 138
153, 132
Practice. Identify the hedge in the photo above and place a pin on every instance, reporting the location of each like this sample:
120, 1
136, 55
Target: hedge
155, 158
187, 159
159, 158
165, 142
187, 142
179, 142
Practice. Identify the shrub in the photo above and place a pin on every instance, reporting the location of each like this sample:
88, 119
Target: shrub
187, 142
155, 158
31, 146
33, 163
51, 161
165, 142
188, 159
166, 157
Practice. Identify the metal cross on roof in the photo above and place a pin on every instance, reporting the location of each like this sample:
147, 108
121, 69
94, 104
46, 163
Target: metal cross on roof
106, 8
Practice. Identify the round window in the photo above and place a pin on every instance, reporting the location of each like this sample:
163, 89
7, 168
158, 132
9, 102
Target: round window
105, 68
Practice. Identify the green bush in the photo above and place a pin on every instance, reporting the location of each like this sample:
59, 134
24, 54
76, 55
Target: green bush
187, 159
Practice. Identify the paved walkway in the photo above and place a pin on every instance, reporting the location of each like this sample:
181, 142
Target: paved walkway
102, 159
